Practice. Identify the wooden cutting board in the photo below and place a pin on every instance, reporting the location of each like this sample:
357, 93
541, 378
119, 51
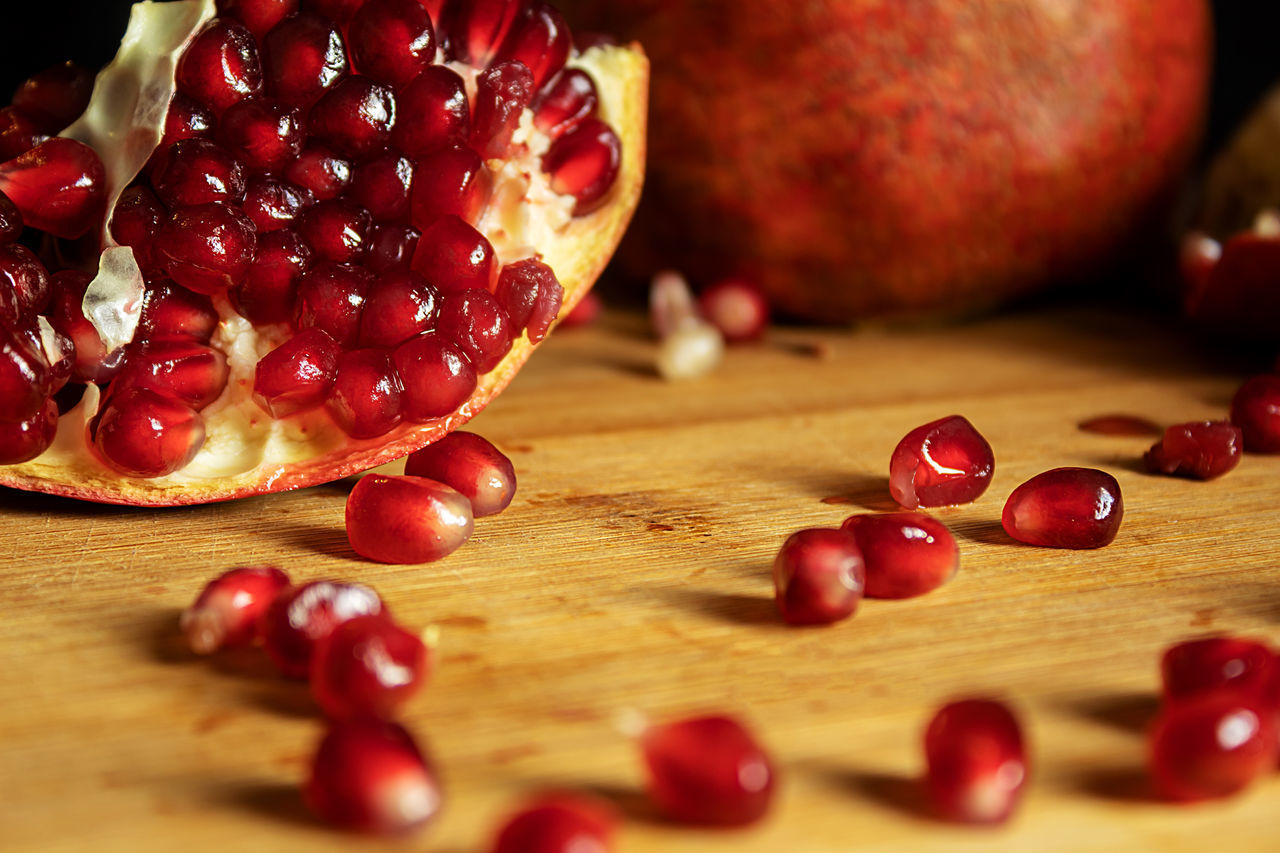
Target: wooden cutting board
631, 576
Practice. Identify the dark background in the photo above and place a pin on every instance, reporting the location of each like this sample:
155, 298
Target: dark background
1248, 48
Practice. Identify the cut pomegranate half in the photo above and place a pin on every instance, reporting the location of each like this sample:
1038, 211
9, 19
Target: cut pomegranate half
262, 161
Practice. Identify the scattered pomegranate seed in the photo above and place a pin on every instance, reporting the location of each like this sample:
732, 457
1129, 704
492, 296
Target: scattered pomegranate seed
1120, 425
206, 248
503, 90
371, 777
60, 187
298, 374
142, 433
470, 464
302, 57
558, 823
365, 397
584, 163
1196, 667
818, 577
220, 66
228, 610
691, 351
302, 616
1065, 508
737, 308
476, 323
367, 667
906, 553
565, 103
976, 764
56, 96
26, 439
1203, 450
1255, 408
406, 519
708, 770
392, 41
437, 375
1211, 745
437, 99
941, 463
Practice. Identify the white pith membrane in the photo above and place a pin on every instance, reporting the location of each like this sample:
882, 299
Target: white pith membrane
245, 450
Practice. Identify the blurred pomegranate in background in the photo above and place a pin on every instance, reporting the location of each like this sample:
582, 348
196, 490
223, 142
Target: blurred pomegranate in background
861, 158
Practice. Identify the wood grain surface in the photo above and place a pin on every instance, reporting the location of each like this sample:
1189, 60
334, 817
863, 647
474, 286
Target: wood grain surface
631, 576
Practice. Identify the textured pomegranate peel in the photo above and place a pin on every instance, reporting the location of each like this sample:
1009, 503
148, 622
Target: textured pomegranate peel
246, 451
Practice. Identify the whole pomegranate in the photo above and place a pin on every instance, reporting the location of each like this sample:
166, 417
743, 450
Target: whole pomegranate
859, 157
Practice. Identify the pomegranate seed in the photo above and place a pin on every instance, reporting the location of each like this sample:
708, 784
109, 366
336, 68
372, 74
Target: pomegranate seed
586, 312
21, 441
1202, 450
258, 16
92, 361
198, 171
976, 764
406, 519
1196, 667
400, 305
1120, 425
365, 397
143, 433
11, 224
470, 464
1065, 508
300, 617
531, 296
502, 93
186, 119
185, 370
392, 41
272, 204
320, 172
24, 376
134, 222
1255, 408
206, 248
169, 311
339, 11
60, 187
437, 100
270, 287
737, 308
476, 29
368, 667
371, 777
296, 375
220, 66
434, 9
337, 230
449, 182
1198, 255
818, 577
475, 321
302, 57
263, 134
391, 247
584, 163
564, 104
227, 611
454, 256
56, 96
23, 276
941, 463
354, 117
906, 553
438, 377
381, 186
558, 823
331, 297
19, 133
540, 40
708, 770
1212, 745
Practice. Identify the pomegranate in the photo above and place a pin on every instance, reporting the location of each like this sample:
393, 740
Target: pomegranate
1203, 450
407, 519
1210, 664
919, 157
309, 238
906, 553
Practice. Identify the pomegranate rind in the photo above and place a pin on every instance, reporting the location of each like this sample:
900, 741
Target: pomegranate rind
246, 453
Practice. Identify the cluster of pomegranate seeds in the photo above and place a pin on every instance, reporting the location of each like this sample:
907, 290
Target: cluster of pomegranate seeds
818, 577
976, 764
558, 823
1202, 450
906, 553
708, 771
322, 171
1065, 508
941, 463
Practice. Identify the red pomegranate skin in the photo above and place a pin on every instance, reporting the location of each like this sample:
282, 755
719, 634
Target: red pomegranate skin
860, 157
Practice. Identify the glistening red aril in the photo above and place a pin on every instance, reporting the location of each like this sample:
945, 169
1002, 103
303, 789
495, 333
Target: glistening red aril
59, 186
406, 519
584, 163
1202, 450
23, 440
302, 616
708, 771
1211, 745
367, 667
1255, 408
1065, 508
976, 763
470, 464
941, 463
1209, 664
298, 374
906, 553
230, 607
370, 776
818, 577
558, 823
144, 433
737, 308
